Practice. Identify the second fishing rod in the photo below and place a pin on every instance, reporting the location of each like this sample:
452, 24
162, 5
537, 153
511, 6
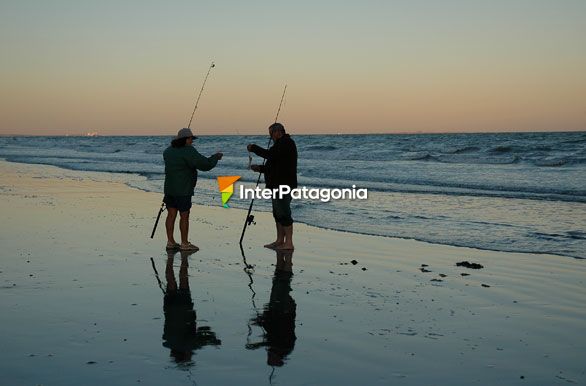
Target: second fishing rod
163, 206
249, 217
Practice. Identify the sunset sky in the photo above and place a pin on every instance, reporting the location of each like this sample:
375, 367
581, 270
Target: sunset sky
135, 67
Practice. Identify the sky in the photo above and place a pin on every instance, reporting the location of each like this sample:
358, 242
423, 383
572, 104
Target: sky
135, 67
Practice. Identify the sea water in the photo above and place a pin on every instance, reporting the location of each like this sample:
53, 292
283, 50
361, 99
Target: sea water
523, 192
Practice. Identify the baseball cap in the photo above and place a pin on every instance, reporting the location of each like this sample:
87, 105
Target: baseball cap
185, 133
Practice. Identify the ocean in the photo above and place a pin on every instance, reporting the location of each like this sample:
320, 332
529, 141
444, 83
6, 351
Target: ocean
520, 192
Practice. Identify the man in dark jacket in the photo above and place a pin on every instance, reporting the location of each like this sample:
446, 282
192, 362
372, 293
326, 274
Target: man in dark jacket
182, 162
279, 169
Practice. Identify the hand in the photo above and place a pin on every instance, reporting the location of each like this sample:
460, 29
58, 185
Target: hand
255, 168
249, 147
219, 155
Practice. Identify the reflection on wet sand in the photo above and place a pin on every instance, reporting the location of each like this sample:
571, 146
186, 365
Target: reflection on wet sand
181, 334
278, 317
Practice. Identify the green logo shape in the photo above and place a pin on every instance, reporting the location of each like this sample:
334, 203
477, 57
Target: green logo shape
226, 185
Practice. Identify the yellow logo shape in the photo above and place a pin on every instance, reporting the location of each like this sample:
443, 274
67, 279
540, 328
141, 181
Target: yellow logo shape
226, 184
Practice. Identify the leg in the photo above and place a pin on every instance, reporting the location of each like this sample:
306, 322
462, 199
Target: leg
170, 225
184, 227
288, 244
280, 234
286, 223
280, 237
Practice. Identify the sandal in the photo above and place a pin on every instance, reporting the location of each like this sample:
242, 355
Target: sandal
172, 246
188, 247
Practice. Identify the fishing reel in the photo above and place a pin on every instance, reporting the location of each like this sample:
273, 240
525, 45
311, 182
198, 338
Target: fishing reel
250, 220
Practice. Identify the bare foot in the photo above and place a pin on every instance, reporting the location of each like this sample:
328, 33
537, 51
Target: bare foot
273, 245
285, 247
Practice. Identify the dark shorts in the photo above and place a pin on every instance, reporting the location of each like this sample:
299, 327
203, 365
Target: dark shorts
181, 203
282, 210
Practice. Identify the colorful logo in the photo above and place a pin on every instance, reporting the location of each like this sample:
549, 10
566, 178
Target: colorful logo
226, 184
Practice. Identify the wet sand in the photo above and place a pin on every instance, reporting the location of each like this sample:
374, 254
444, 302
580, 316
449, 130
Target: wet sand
81, 303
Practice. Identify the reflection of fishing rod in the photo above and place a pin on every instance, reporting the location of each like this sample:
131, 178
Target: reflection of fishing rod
157, 276
163, 207
249, 269
249, 217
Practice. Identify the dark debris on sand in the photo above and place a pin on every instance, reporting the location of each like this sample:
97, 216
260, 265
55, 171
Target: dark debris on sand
467, 264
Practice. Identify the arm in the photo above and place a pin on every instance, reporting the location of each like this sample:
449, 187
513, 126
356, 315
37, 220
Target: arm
259, 151
197, 161
258, 168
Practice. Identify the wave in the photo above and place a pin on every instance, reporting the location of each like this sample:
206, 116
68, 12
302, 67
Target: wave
316, 177
320, 147
551, 162
573, 235
466, 149
581, 140
416, 156
501, 149
408, 187
579, 235
478, 160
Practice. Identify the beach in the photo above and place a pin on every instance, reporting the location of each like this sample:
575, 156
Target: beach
82, 303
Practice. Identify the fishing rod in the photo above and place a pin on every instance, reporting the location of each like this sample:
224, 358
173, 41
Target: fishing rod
200, 92
163, 206
249, 217
161, 210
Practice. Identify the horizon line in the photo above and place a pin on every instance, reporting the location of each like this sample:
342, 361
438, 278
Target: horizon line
96, 134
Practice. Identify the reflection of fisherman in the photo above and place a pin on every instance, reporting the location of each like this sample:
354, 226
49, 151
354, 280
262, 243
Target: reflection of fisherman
278, 317
280, 169
181, 334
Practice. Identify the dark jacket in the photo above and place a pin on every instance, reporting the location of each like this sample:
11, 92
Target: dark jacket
180, 166
281, 162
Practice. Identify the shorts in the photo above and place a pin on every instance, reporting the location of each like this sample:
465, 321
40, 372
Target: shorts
181, 203
282, 210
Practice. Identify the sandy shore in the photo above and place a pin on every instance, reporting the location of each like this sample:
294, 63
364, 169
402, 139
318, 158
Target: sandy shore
81, 303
